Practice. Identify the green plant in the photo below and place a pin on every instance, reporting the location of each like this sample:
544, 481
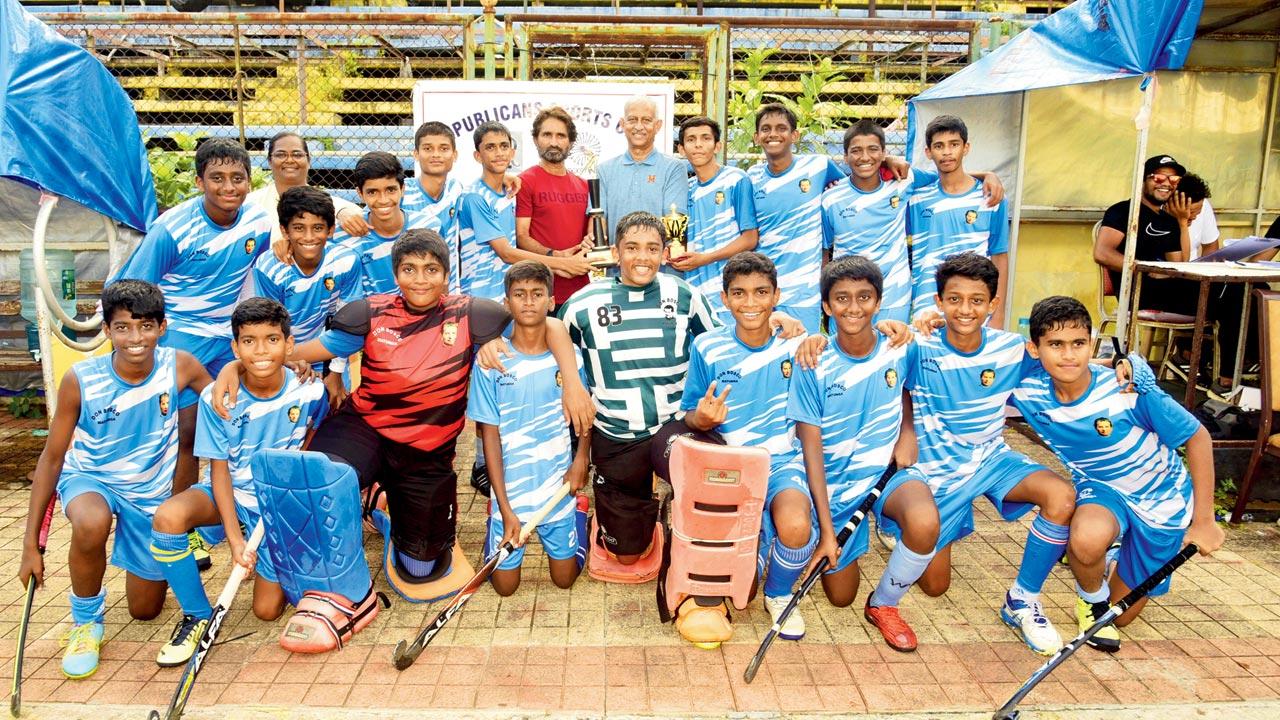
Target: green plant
26, 405
813, 116
1224, 497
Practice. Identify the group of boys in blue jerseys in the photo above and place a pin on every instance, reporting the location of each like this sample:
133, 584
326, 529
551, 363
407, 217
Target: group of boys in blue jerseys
206, 296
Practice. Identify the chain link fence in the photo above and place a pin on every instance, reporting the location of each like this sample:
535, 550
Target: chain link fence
344, 80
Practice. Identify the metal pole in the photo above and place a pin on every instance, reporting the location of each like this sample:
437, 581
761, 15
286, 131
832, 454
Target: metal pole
1143, 123
469, 50
235, 29
302, 79
1016, 222
1266, 161
490, 71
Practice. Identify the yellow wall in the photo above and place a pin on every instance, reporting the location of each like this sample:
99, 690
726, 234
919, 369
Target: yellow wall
1054, 259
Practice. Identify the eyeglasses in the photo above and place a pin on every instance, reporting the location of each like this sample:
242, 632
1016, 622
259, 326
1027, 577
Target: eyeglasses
641, 121
287, 155
1161, 178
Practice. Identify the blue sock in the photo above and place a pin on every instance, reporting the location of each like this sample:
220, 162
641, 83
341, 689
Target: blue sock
786, 564
173, 553
88, 609
416, 568
1102, 594
904, 568
1046, 542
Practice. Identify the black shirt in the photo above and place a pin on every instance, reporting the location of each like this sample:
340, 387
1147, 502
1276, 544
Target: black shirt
1158, 234
1274, 230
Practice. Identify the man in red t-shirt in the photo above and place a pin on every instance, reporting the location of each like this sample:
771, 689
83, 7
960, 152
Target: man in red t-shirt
551, 207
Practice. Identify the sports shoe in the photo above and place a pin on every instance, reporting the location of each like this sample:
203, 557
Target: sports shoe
1108, 638
887, 541
182, 645
1028, 619
793, 628
199, 551
897, 633
480, 479
82, 643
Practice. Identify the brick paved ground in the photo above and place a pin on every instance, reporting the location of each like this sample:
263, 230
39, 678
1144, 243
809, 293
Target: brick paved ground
600, 648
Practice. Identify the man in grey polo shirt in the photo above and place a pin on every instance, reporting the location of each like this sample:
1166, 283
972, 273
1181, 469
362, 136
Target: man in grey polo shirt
643, 178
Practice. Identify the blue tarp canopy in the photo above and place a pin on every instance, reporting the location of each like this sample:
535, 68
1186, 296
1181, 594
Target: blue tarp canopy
66, 126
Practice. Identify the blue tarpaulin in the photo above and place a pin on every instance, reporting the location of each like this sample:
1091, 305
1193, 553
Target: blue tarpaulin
66, 126
1087, 41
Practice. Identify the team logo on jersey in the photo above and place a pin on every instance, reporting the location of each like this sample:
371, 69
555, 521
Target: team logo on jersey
559, 379
163, 402
805, 184
329, 284
987, 378
1103, 426
786, 369
249, 245
895, 201
719, 197
835, 390
449, 333
452, 211
971, 217
891, 378
669, 309
848, 211
105, 415
295, 412
507, 379
652, 179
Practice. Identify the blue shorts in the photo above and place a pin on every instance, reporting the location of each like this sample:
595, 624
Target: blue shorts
785, 475
999, 473
811, 316
131, 551
212, 352
214, 534
859, 542
559, 540
1143, 548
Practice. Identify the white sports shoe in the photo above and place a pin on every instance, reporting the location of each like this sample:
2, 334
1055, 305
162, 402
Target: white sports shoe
793, 628
1027, 618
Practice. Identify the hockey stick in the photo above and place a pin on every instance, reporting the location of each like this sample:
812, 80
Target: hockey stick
183, 691
15, 695
1007, 712
405, 653
845, 533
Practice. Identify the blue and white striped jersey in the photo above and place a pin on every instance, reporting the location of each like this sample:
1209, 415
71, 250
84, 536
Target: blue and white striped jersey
874, 225
720, 210
760, 378
441, 215
484, 216
1128, 441
525, 404
376, 274
958, 402
276, 423
789, 218
943, 225
199, 265
310, 299
127, 435
857, 403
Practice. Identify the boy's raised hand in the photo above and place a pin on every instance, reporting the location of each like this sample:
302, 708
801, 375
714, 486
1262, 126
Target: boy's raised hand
490, 354
786, 326
898, 332
352, 222
712, 410
927, 321
810, 350
226, 388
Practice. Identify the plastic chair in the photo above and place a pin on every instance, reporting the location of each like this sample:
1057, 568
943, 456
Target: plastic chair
1268, 443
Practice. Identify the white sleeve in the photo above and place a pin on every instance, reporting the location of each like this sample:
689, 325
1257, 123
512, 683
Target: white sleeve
1204, 229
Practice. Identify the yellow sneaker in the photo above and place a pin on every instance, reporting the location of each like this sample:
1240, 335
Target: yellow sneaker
180, 648
82, 643
199, 551
1108, 638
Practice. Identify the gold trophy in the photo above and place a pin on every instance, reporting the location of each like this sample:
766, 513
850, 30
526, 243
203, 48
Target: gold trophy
600, 255
677, 224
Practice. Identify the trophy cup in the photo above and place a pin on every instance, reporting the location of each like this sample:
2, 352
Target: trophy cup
677, 224
600, 256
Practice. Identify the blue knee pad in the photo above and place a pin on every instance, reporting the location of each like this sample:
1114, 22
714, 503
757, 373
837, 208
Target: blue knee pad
310, 508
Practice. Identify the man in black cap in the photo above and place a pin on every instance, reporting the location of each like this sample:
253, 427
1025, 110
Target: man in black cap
1163, 234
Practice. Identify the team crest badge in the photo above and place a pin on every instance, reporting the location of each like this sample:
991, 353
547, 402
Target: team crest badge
971, 217
449, 333
249, 245
719, 197
669, 309
295, 412
894, 202
452, 211
163, 402
987, 378
891, 378
1103, 426
786, 369
652, 179
805, 185
559, 379
328, 284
